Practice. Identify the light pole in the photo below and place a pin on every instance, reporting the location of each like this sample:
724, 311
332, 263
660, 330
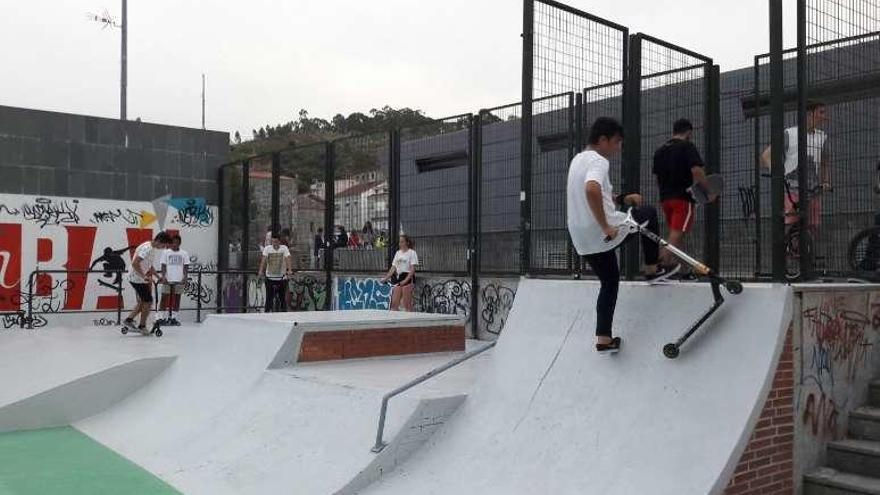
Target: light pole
108, 21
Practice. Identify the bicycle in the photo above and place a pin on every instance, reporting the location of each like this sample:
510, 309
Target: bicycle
863, 253
801, 227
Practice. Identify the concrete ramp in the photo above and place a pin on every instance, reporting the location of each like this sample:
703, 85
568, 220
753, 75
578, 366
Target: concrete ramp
551, 416
81, 397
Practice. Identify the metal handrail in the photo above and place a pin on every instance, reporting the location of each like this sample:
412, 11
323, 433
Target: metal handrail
29, 314
412, 383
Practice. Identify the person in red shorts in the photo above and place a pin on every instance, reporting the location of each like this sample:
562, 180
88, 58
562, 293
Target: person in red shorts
677, 165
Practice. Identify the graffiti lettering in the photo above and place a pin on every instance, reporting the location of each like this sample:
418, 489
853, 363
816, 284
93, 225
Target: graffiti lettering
308, 294
821, 414
13, 212
45, 212
21, 320
451, 297
104, 322
195, 214
366, 293
497, 302
197, 293
111, 216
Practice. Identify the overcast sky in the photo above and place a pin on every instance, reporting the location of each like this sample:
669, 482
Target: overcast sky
265, 59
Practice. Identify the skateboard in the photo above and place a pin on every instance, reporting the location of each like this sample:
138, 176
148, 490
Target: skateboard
701, 195
734, 287
156, 329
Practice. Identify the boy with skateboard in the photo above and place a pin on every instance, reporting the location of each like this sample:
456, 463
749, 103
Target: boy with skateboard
141, 279
175, 272
678, 166
593, 224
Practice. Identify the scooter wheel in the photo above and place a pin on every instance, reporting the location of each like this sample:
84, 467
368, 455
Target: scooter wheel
734, 287
158, 332
124, 330
671, 351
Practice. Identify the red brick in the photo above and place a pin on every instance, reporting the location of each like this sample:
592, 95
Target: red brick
747, 476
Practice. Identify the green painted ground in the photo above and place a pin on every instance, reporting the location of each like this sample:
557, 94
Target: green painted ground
64, 461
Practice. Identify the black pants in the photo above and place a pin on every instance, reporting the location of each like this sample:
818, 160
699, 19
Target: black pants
605, 267
275, 296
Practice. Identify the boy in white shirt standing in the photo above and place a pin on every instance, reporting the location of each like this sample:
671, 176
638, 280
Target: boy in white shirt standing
593, 222
275, 265
175, 272
141, 278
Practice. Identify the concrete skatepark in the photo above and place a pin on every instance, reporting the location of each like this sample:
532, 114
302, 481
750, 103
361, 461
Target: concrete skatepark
226, 408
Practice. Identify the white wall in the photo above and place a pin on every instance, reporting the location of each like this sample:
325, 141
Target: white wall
58, 233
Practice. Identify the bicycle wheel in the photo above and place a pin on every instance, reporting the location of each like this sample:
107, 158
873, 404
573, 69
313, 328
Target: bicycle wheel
864, 250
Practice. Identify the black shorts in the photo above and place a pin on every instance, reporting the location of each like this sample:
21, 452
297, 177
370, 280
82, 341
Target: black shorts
398, 278
143, 291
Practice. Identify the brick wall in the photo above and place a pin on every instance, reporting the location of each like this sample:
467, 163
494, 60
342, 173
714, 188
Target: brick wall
767, 465
353, 344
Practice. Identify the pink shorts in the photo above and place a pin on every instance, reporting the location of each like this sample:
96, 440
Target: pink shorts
791, 216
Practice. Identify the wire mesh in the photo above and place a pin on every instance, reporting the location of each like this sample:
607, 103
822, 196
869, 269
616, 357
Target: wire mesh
673, 86
362, 202
301, 203
435, 171
232, 217
259, 209
842, 72
500, 186
553, 132
570, 50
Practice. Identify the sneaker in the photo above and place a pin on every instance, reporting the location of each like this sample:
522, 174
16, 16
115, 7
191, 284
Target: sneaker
612, 348
173, 322
662, 274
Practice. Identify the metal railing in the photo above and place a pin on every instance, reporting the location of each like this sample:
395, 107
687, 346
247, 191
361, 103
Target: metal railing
27, 316
380, 444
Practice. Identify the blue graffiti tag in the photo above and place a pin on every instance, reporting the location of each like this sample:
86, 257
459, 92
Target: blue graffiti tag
363, 294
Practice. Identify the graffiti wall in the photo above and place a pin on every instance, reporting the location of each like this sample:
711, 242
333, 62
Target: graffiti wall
435, 295
837, 354
71, 235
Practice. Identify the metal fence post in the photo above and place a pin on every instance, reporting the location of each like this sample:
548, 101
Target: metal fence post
476, 198
276, 192
199, 298
777, 141
30, 302
759, 237
632, 148
329, 219
528, 36
713, 163
120, 301
806, 242
246, 236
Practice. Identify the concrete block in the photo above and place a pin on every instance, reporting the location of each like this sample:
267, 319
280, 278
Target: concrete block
10, 150
874, 397
77, 156
864, 423
31, 152
110, 133
99, 185
30, 181
10, 179
47, 182
185, 164
855, 456
826, 481
119, 191
76, 184
54, 154
76, 128
62, 182
91, 129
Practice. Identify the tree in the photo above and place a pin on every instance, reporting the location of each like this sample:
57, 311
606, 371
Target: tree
237, 137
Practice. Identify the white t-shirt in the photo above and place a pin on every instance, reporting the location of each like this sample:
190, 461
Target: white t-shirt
815, 144
275, 265
147, 255
403, 262
585, 232
174, 262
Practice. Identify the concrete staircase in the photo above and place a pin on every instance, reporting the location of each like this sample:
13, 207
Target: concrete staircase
854, 463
